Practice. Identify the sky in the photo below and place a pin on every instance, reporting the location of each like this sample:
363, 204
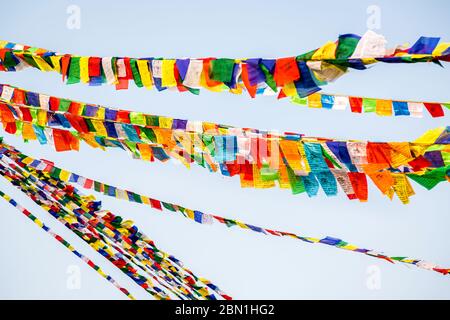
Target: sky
245, 265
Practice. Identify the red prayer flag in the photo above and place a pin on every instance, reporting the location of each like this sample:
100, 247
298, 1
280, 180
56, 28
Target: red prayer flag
359, 184
435, 109
286, 71
11, 127
64, 140
355, 104
54, 103
78, 123
74, 107
95, 67
122, 84
123, 116
156, 204
26, 114
19, 97
419, 163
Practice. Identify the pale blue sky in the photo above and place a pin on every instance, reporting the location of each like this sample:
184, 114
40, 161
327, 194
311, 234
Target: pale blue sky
244, 264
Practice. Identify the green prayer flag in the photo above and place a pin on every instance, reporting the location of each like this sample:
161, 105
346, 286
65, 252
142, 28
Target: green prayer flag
296, 182
34, 114
168, 206
89, 125
306, 56
9, 61
152, 121
208, 140
137, 198
446, 158
149, 133
229, 223
269, 77
430, 179
28, 57
341, 244
222, 69
97, 186
137, 118
299, 100
55, 173
346, 47
64, 105
74, 70
398, 258
136, 74
194, 91
369, 105
268, 174
19, 127
132, 147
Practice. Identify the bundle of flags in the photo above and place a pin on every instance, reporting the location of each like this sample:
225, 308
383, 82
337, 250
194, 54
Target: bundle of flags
65, 243
118, 240
295, 77
39, 168
260, 158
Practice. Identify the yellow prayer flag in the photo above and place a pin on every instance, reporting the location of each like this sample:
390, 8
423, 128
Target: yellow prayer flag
99, 127
42, 117
315, 100
165, 122
84, 69
440, 48
144, 71
64, 175
42, 64
167, 73
56, 63
430, 136
327, 51
290, 90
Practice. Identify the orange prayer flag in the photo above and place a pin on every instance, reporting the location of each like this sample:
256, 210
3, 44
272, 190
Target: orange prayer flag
28, 131
383, 180
378, 152
146, 152
6, 114
383, 107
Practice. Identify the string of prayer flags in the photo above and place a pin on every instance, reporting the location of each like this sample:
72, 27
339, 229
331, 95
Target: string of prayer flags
302, 164
379, 107
294, 77
46, 168
65, 243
